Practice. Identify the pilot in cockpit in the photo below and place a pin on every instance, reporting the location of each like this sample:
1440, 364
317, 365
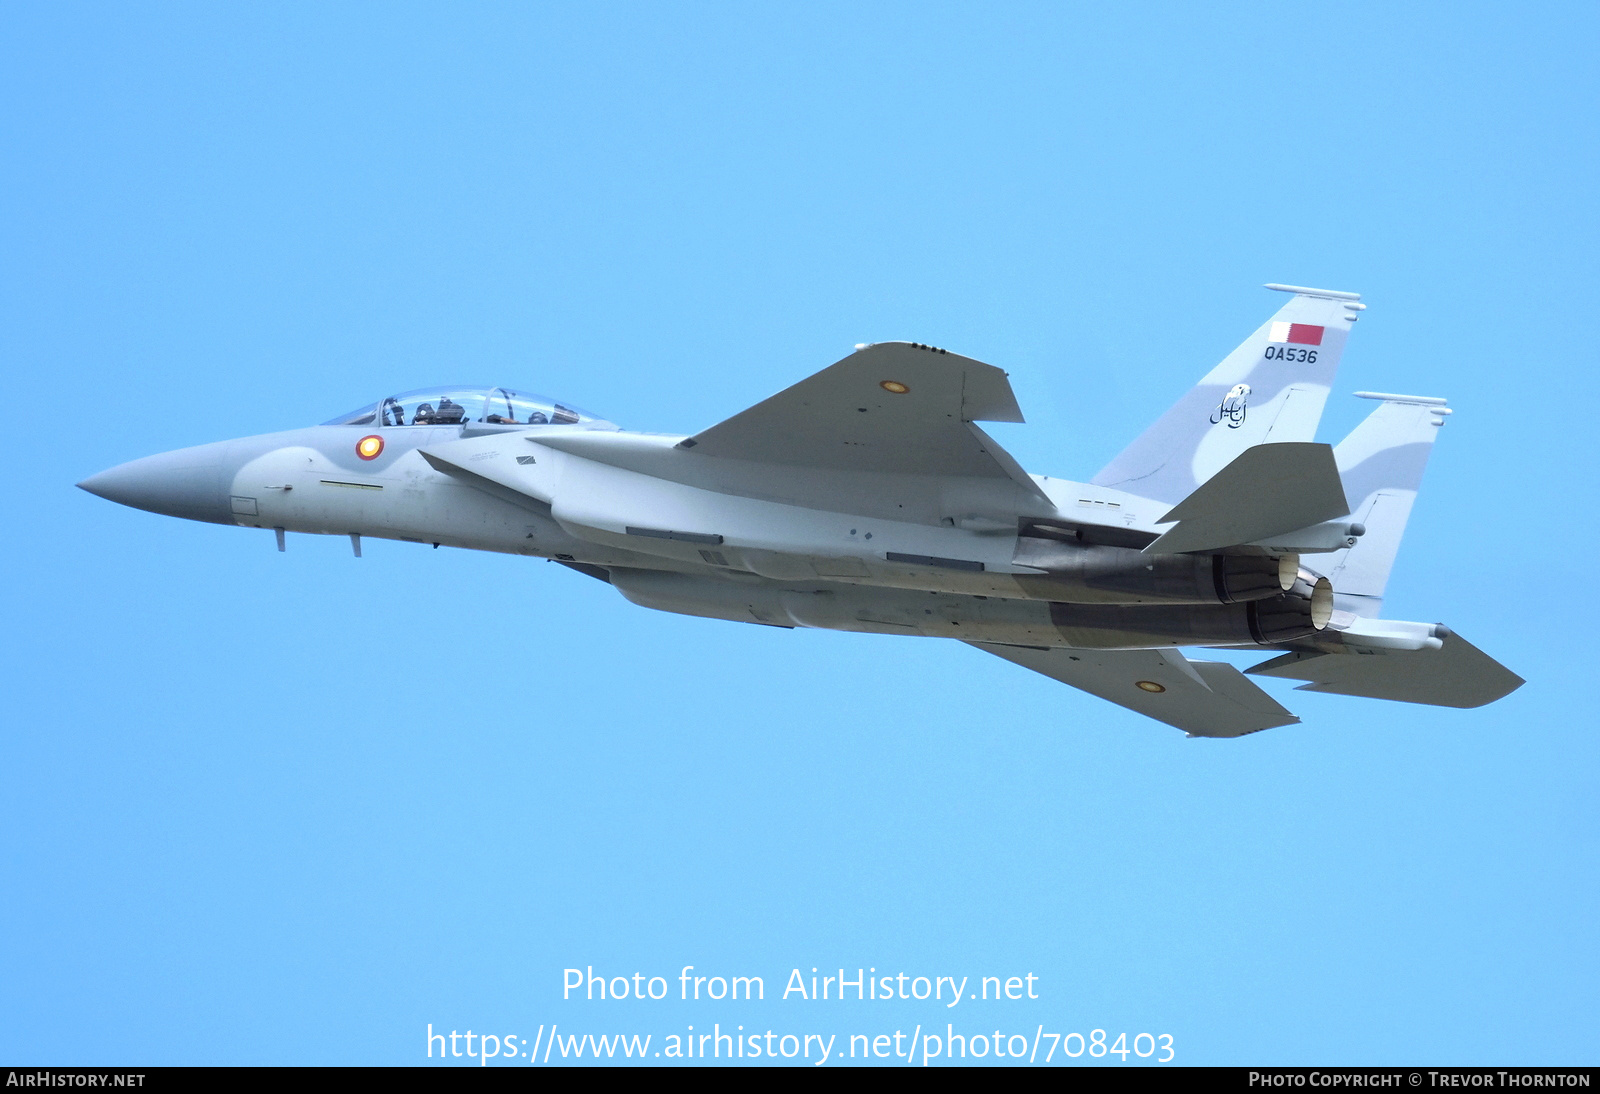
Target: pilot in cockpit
535, 417
462, 405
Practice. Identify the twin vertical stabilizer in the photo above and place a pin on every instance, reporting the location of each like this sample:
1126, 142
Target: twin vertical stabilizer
1381, 463
1271, 389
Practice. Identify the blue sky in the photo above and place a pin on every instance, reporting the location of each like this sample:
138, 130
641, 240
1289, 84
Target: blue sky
256, 815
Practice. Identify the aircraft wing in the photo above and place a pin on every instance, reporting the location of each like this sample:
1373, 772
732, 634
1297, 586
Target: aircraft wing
1202, 698
894, 407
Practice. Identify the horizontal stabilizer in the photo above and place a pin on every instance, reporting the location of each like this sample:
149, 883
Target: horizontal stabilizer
1458, 674
1266, 491
1202, 698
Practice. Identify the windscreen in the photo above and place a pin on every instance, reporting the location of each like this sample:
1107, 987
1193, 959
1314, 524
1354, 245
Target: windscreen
365, 416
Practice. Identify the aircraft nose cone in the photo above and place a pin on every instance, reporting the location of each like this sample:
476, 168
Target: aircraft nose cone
186, 483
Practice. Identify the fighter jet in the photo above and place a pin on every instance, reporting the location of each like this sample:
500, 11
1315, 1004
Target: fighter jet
867, 498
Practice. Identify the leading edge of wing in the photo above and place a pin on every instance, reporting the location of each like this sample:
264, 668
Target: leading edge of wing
1202, 698
895, 407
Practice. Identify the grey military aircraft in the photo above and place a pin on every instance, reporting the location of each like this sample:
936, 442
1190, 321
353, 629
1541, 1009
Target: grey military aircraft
866, 498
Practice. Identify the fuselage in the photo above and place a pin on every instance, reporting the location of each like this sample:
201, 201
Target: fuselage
866, 552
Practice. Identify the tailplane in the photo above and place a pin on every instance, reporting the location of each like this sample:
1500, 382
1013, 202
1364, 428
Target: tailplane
1444, 670
1271, 389
1381, 463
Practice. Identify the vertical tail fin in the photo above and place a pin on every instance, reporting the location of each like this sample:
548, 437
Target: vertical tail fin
1381, 463
1272, 388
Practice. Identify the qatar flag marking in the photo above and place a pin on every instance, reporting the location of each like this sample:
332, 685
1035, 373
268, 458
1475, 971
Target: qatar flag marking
1303, 334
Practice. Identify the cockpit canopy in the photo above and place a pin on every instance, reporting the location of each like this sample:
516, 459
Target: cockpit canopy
459, 404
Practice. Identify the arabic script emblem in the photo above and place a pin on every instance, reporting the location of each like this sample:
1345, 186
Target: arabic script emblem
1232, 407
